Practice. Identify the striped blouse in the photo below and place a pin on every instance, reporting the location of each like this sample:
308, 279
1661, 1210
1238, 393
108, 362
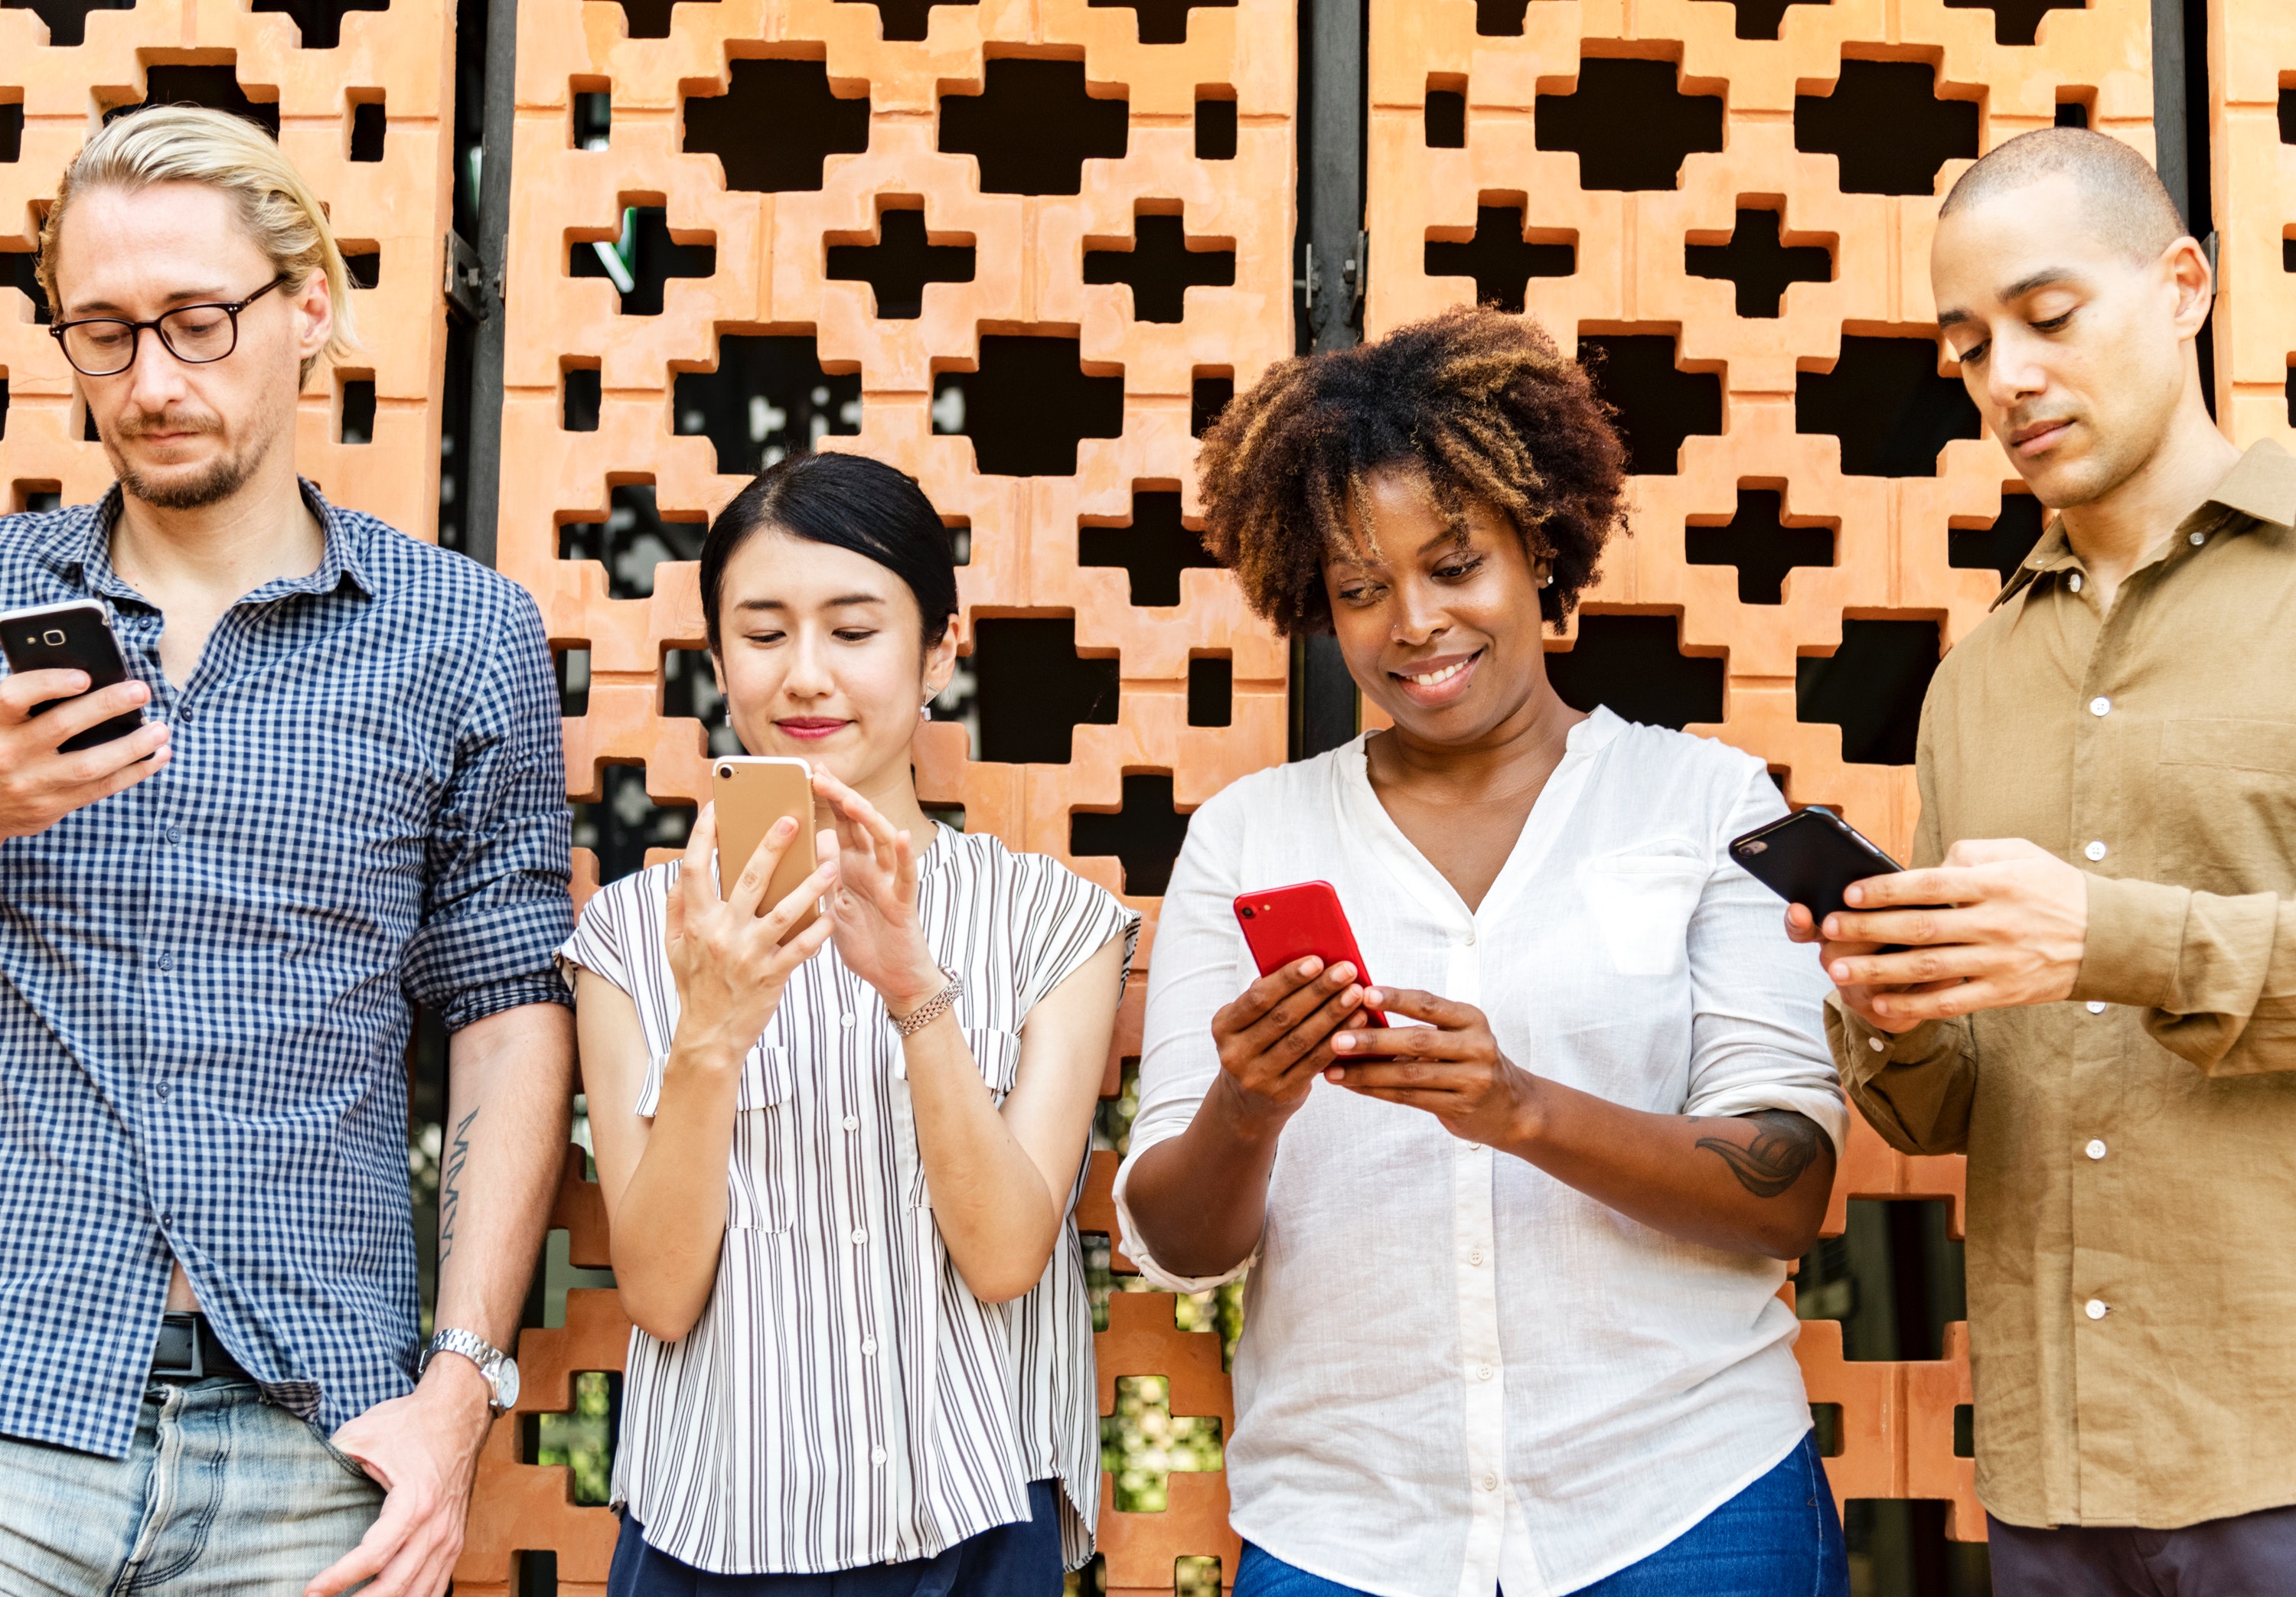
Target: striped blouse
844, 1399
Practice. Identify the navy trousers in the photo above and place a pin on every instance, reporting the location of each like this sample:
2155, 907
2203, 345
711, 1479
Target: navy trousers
1009, 1560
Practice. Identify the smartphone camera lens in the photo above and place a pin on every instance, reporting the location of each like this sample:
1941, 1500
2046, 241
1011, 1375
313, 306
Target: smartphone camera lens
53, 638
725, 772
1247, 912
1755, 847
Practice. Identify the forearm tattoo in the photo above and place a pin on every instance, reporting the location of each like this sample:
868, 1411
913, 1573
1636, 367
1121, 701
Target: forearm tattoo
1783, 1146
450, 1196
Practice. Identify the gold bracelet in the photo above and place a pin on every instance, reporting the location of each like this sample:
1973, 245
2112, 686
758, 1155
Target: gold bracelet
932, 1009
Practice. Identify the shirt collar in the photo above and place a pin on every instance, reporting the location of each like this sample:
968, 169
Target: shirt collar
2260, 486
340, 561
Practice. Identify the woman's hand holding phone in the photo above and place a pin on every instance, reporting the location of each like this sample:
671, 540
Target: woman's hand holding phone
40, 784
730, 961
1275, 1038
1450, 1066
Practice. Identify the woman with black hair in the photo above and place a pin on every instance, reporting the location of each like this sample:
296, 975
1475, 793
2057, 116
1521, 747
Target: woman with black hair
1513, 1319
839, 1166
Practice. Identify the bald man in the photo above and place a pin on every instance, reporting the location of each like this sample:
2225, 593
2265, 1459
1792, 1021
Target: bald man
2102, 1015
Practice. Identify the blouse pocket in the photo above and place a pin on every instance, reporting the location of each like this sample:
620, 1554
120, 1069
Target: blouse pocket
762, 1190
1642, 904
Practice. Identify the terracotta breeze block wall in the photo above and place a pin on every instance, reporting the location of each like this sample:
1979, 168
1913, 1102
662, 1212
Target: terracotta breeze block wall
2252, 83
395, 208
1632, 233
770, 279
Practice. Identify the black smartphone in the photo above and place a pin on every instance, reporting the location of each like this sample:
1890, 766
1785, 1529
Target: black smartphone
69, 637
1809, 857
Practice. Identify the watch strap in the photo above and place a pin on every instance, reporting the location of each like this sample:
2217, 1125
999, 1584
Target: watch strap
933, 1008
450, 1338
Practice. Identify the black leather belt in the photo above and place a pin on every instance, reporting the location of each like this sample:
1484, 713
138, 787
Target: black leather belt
190, 1350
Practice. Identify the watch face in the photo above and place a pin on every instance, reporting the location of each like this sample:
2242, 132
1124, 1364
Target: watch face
507, 1385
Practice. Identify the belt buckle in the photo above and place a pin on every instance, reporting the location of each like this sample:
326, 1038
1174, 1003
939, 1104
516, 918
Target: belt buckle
194, 1368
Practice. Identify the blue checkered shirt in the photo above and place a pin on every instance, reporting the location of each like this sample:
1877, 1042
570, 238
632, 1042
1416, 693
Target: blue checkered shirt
205, 980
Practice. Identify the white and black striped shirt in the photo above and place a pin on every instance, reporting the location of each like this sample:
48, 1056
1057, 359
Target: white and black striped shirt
844, 1399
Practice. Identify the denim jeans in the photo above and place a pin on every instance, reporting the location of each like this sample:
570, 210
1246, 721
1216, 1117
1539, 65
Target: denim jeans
222, 1494
1779, 1537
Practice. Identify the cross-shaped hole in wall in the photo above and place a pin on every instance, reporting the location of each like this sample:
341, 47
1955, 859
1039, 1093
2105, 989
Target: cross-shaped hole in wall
1762, 542
1758, 262
1161, 266
1153, 547
1145, 834
898, 263
582, 1439
1499, 255
906, 21
1145, 1442
1033, 689
642, 258
2000, 545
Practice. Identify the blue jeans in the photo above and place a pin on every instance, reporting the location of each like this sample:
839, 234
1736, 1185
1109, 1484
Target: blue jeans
1779, 1537
222, 1494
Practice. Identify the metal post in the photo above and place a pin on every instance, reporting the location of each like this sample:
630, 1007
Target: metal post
1333, 92
2172, 149
483, 474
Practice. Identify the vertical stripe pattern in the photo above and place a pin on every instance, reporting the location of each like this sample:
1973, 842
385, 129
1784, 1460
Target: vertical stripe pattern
844, 1399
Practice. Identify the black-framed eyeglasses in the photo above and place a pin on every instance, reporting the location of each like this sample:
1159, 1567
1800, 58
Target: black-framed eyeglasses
194, 335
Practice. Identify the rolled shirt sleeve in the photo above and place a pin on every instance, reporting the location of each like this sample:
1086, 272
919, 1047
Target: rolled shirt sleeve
1192, 975
496, 904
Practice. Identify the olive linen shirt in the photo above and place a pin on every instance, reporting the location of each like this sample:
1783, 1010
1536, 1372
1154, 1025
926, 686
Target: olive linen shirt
2132, 1151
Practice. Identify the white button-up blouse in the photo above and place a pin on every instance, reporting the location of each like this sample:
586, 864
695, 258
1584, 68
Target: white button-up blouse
1457, 1372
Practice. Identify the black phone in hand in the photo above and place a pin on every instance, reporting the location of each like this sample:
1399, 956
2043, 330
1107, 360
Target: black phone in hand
69, 637
1810, 858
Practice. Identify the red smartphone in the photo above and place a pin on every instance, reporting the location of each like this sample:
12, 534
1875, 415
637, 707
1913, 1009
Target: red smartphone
1283, 924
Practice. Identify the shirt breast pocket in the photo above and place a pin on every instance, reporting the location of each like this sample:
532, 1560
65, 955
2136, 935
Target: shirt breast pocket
1642, 904
2227, 797
762, 1195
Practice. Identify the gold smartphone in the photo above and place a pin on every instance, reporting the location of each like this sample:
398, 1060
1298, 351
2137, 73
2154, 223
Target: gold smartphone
752, 793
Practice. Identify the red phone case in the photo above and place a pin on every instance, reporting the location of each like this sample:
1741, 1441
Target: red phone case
1283, 924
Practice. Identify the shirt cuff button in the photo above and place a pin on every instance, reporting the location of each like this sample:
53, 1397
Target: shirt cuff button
1877, 1044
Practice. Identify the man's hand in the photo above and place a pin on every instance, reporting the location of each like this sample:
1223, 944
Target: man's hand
2012, 930
38, 785
424, 1450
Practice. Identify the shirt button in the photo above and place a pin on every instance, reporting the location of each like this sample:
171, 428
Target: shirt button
2074, 583
1877, 1044
163, 1090
2096, 1148
2095, 850
166, 961
175, 834
1474, 1256
1470, 937
2094, 1309
852, 1122
876, 1456
1490, 1483
2099, 705
845, 1019
2096, 1006
2198, 538
869, 1347
1482, 1372
860, 1235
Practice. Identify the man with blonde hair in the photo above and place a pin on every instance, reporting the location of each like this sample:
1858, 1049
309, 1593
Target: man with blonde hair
2095, 991
347, 798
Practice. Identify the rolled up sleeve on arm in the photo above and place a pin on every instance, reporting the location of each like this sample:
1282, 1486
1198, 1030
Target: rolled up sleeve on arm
2215, 974
1754, 1034
496, 904
1194, 971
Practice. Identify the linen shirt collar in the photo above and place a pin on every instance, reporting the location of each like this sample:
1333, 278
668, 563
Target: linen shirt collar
89, 557
2260, 486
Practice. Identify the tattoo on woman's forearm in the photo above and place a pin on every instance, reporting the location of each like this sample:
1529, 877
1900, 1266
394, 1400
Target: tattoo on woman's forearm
1783, 1146
450, 1195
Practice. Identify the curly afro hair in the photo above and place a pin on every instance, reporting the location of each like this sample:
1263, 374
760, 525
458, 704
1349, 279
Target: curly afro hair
1480, 403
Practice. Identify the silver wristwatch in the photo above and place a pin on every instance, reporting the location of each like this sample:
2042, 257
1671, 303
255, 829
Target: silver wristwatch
499, 1367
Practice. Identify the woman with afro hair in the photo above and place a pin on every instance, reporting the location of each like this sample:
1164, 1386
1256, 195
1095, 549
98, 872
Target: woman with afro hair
1512, 1317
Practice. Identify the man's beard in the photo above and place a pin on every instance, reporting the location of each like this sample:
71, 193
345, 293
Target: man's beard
210, 484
